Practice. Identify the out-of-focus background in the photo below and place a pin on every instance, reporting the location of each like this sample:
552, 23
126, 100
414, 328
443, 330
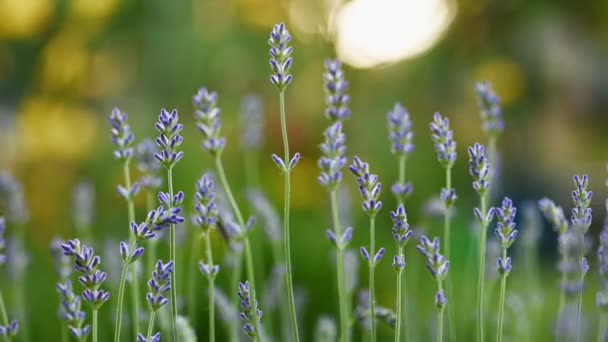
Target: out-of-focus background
65, 64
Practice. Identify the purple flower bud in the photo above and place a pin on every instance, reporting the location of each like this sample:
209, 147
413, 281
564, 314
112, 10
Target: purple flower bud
333, 157
443, 138
169, 139
479, 168
440, 300
489, 106
279, 162
122, 137
294, 161
399, 262
368, 186
250, 312
365, 254
400, 131
159, 284
378, 256
336, 86
280, 56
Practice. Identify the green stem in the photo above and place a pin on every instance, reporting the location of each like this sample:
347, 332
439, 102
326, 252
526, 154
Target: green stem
194, 256
121, 293
398, 302
172, 256
482, 265
64, 333
402, 288
579, 308
134, 284
501, 303
211, 288
344, 331
446, 245
562, 297
286, 241
492, 162
95, 328
402, 161
439, 315
151, 250
372, 266
601, 327
151, 325
4, 316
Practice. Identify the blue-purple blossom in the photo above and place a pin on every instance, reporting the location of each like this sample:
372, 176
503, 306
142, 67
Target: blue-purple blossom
10, 330
2, 241
489, 106
12, 198
87, 263
333, 157
280, 56
208, 120
479, 168
250, 312
159, 285
369, 187
169, 138
341, 241
581, 213
252, 123
505, 232
443, 137
62, 262
336, 98
153, 338
554, 214
437, 265
122, 136
207, 212
400, 130
401, 229
372, 261
602, 257
148, 166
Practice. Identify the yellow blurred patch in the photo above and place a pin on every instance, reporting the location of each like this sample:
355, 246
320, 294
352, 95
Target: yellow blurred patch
506, 77
20, 19
261, 13
93, 11
51, 129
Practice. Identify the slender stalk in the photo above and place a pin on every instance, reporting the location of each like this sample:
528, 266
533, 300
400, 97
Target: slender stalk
601, 327
446, 245
207, 239
121, 293
64, 334
501, 304
151, 250
372, 266
151, 325
482, 266
439, 316
172, 256
579, 309
562, 297
402, 162
4, 316
492, 156
344, 326
95, 327
234, 283
286, 240
398, 303
134, 281
194, 256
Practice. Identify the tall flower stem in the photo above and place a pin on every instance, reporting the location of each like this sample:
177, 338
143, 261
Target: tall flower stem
501, 303
601, 327
482, 266
579, 308
398, 303
286, 240
194, 256
134, 281
172, 257
121, 293
4, 316
237, 268
372, 266
95, 327
151, 325
211, 298
446, 244
151, 250
344, 323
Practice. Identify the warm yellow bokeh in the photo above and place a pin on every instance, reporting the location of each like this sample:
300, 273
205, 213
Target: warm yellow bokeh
93, 11
20, 19
506, 78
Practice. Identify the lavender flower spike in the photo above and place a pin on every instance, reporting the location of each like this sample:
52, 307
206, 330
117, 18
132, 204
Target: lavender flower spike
581, 213
333, 157
554, 214
369, 187
169, 139
122, 136
505, 234
250, 314
491, 112
336, 86
71, 312
443, 137
438, 266
479, 168
280, 56
159, 285
208, 120
400, 131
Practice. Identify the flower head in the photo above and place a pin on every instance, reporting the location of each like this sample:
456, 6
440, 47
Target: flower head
280, 56
250, 312
505, 232
169, 138
336, 86
400, 131
10, 330
62, 262
153, 338
554, 214
443, 137
333, 157
369, 187
252, 122
208, 120
401, 229
122, 136
436, 263
581, 213
479, 168
489, 105
207, 212
147, 165
159, 285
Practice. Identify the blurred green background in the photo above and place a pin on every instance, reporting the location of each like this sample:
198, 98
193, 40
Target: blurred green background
65, 64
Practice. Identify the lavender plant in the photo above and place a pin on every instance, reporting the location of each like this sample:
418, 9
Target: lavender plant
401, 136
402, 234
169, 140
369, 187
206, 219
336, 98
438, 266
280, 63
123, 139
480, 168
63, 268
7, 329
159, 285
88, 264
602, 295
70, 311
331, 164
250, 312
491, 117
445, 146
505, 234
